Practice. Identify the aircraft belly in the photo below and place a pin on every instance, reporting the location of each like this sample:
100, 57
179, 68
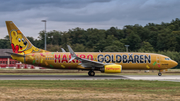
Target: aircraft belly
66, 66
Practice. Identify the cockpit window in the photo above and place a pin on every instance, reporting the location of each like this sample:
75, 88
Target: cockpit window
167, 59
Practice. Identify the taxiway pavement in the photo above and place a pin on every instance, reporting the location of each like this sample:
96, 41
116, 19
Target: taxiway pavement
175, 78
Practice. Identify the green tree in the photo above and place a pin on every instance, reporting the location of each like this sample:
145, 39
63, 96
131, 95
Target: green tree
78, 47
146, 46
116, 46
134, 41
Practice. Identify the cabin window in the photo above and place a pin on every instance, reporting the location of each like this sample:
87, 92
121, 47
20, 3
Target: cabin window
167, 59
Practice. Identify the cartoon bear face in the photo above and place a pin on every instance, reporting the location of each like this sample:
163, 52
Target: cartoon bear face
18, 42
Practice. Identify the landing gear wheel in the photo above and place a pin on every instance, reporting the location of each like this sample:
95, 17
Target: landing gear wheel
91, 73
159, 74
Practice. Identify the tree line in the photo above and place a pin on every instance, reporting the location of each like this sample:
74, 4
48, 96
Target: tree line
161, 38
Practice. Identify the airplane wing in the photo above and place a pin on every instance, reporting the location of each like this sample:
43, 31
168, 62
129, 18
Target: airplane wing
89, 63
84, 62
63, 50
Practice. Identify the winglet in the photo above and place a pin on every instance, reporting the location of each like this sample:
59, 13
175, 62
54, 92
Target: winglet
73, 55
63, 50
71, 51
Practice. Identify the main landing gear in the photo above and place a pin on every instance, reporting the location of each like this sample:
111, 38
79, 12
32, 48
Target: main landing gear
159, 74
91, 73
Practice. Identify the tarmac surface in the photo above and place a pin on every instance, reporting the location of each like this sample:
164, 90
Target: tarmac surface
175, 78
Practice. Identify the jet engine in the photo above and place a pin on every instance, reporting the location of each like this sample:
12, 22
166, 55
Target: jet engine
112, 69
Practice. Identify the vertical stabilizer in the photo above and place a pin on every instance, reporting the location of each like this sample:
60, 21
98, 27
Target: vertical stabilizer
19, 43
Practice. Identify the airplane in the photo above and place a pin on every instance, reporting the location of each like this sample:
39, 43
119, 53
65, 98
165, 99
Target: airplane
105, 62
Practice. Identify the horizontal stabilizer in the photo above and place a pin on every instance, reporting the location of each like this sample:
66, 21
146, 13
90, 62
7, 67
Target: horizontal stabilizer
19, 55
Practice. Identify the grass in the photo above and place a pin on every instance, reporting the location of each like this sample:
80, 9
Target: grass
88, 90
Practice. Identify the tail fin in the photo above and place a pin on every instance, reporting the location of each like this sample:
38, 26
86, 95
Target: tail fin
19, 43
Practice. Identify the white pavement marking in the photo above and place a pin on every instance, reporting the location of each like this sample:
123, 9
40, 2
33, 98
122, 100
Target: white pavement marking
175, 78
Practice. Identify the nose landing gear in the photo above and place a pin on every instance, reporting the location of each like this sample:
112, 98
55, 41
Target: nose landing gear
91, 73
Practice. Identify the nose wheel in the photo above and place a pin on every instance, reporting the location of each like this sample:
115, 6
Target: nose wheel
91, 73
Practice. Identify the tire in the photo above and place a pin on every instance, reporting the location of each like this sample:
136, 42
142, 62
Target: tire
159, 74
91, 73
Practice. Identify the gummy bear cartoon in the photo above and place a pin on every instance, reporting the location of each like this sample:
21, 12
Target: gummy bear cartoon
18, 43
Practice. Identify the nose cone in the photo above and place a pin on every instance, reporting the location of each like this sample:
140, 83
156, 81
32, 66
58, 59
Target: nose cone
174, 64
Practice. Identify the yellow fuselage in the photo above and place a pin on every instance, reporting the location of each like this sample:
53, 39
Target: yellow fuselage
129, 61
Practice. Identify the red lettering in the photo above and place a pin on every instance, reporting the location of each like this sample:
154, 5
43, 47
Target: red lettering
77, 60
91, 57
111, 68
64, 58
72, 60
82, 56
57, 58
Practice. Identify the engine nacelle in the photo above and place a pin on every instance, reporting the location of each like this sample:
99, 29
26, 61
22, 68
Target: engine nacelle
112, 69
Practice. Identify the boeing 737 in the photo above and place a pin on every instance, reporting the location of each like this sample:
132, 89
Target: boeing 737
106, 62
